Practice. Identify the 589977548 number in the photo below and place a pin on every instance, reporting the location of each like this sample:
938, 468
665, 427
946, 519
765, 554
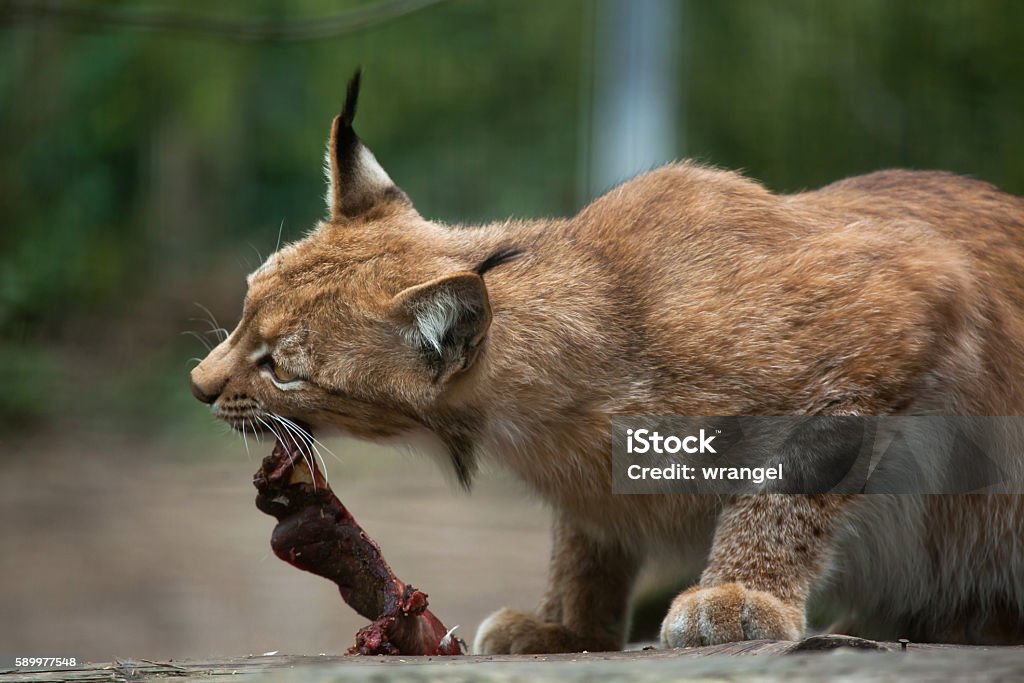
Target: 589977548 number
44, 662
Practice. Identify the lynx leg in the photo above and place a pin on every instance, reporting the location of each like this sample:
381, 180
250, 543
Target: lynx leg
585, 606
767, 552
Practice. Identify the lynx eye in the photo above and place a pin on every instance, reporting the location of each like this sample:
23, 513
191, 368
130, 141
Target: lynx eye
280, 374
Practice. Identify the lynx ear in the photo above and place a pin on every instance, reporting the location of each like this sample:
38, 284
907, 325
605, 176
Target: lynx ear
445, 319
356, 182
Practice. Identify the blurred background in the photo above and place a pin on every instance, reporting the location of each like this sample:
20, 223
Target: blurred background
150, 153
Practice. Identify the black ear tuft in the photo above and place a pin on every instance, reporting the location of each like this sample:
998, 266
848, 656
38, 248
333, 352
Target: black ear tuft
346, 144
498, 258
356, 181
348, 112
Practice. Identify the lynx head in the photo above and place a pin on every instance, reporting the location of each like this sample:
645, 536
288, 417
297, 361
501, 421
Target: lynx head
369, 324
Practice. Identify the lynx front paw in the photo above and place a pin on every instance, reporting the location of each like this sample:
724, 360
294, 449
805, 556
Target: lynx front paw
727, 613
508, 632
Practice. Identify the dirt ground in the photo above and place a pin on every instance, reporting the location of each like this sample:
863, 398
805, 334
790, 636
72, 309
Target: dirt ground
117, 547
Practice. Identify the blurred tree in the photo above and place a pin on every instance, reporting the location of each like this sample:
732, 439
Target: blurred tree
138, 166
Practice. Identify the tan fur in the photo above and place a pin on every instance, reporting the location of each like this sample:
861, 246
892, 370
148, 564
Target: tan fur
689, 291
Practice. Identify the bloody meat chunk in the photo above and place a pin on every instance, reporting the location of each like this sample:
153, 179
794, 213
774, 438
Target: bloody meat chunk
316, 533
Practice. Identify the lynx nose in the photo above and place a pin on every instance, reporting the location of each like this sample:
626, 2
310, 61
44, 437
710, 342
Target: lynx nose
202, 395
208, 379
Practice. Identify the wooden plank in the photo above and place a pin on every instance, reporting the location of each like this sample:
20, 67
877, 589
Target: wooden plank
819, 658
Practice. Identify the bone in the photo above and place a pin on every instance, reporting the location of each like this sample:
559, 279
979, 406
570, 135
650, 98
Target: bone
316, 533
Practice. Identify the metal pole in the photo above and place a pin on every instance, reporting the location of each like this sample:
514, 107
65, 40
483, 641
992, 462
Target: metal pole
635, 90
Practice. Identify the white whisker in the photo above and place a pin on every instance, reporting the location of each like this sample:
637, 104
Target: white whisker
202, 340
258, 254
263, 422
315, 440
297, 438
214, 325
303, 434
298, 441
219, 332
255, 432
304, 440
245, 441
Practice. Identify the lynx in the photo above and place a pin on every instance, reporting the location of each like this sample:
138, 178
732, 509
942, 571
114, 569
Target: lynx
686, 291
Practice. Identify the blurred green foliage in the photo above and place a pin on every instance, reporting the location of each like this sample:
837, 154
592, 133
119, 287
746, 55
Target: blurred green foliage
139, 169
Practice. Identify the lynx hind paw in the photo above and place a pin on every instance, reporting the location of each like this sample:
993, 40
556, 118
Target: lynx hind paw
728, 613
510, 632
